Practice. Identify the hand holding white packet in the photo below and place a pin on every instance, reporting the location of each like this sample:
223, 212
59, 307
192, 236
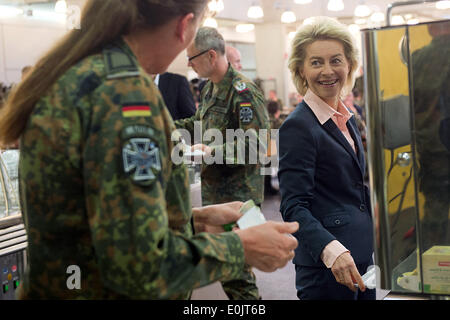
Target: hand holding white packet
252, 215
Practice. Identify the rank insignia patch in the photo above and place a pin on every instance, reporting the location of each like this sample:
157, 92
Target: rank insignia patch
246, 112
141, 160
136, 110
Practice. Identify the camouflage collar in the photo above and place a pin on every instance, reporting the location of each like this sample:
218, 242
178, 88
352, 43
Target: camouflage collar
224, 86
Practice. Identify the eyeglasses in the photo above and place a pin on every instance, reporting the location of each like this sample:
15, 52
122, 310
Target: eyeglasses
197, 55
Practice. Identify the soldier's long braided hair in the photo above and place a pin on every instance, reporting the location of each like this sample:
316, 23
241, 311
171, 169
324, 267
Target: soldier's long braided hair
102, 21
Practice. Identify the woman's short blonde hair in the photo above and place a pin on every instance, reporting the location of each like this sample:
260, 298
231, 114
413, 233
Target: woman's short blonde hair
322, 28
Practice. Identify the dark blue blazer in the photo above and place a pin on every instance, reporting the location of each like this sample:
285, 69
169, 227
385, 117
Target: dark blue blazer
177, 95
322, 187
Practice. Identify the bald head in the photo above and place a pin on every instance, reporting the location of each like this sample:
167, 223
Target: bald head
234, 57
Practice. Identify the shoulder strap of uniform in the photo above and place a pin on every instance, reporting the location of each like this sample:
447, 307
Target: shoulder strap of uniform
119, 63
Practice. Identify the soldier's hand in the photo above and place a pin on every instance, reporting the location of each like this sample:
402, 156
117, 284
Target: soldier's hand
269, 246
212, 218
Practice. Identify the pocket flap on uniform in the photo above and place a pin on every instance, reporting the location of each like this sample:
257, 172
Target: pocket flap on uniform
219, 109
337, 220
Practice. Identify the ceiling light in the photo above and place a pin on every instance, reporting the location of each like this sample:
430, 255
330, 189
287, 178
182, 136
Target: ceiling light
255, 12
291, 35
442, 5
354, 29
10, 12
413, 21
377, 17
288, 17
220, 5
302, 1
216, 5
335, 5
397, 20
61, 6
362, 10
245, 27
210, 22
360, 21
309, 20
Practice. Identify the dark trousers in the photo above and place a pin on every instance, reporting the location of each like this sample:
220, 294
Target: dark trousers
316, 283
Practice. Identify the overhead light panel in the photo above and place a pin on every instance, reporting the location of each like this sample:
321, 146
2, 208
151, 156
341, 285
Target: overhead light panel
443, 5
362, 10
245, 27
61, 6
10, 12
377, 16
255, 12
302, 1
288, 17
335, 5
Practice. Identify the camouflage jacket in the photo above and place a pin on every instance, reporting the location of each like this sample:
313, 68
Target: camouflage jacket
234, 103
99, 191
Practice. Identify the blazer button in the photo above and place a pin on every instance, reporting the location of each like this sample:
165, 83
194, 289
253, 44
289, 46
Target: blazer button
362, 207
337, 221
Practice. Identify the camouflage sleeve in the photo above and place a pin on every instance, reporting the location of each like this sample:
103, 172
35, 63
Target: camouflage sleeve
138, 253
251, 136
188, 123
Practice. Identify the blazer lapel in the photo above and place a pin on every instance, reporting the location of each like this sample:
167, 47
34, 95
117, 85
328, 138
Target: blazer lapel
353, 129
334, 131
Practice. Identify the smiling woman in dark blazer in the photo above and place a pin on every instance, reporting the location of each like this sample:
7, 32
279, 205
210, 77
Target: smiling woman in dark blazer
322, 168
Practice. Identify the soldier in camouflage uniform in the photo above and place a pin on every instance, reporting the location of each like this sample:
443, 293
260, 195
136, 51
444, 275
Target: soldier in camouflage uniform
118, 126
98, 189
228, 101
273, 107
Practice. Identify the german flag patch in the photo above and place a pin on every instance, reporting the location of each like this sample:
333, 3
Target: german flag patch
136, 110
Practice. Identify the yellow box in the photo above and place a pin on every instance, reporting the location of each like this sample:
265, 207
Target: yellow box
436, 270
